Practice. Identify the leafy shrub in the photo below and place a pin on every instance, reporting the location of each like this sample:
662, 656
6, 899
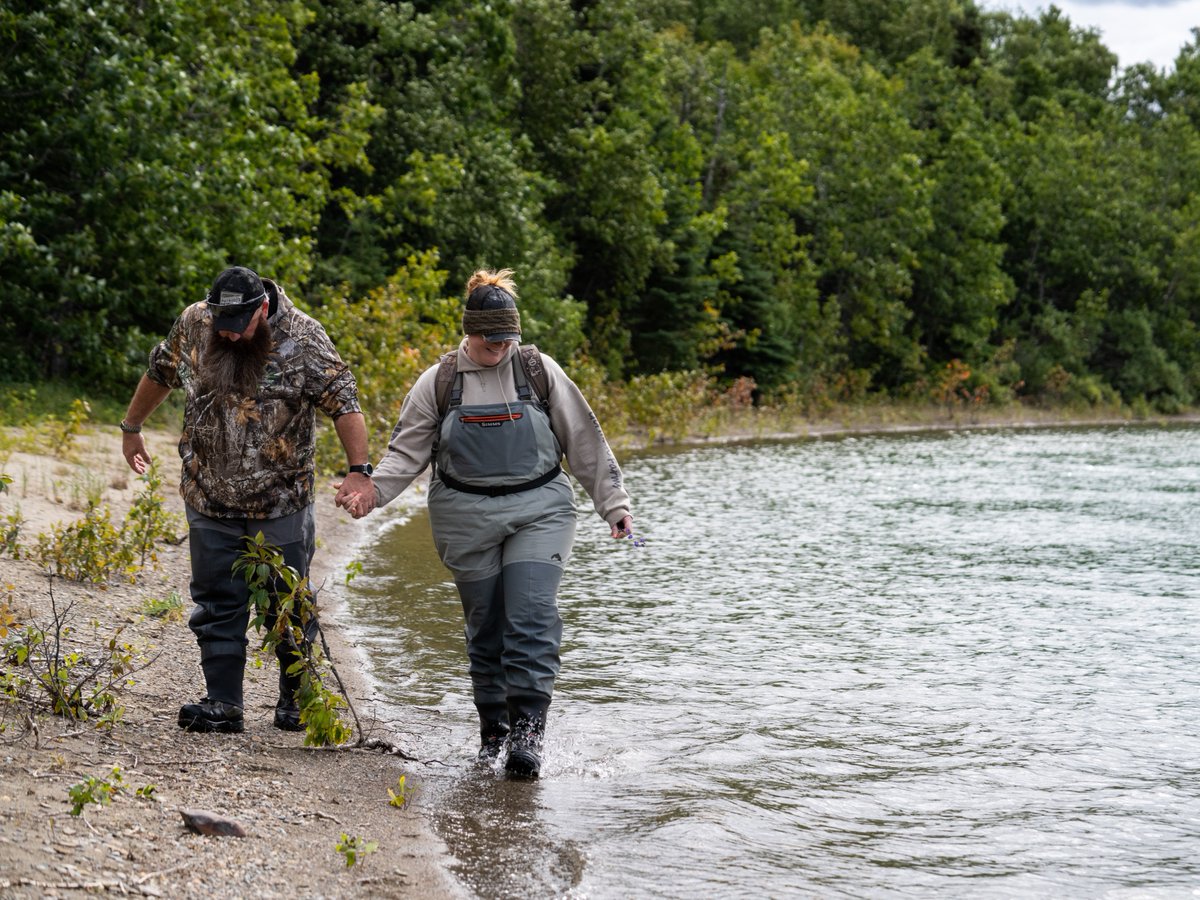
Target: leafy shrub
93, 549
46, 668
282, 606
388, 338
668, 405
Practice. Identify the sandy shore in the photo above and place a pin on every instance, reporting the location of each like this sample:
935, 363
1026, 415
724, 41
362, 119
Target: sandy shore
294, 802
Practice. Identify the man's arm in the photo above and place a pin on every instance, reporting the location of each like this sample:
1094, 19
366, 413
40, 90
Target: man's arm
355, 493
146, 398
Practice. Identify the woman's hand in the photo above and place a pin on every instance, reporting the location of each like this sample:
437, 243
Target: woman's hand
622, 528
356, 494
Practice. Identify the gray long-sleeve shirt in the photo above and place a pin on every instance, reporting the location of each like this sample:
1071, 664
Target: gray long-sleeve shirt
588, 455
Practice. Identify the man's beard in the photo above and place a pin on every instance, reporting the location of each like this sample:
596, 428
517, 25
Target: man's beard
236, 367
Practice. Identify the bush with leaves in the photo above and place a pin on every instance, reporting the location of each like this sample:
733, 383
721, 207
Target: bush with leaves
93, 549
283, 607
48, 669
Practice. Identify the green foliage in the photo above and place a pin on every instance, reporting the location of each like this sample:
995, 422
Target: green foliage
353, 847
93, 549
283, 607
168, 608
388, 337
48, 668
8, 618
833, 200
667, 405
10, 533
90, 549
99, 791
145, 146
148, 522
403, 794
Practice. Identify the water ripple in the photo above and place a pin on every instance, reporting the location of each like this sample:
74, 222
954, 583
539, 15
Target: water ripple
884, 666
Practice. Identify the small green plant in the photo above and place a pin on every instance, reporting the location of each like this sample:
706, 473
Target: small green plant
354, 568
95, 790
148, 522
352, 848
45, 669
100, 791
8, 618
403, 794
10, 533
168, 608
89, 549
63, 433
283, 608
86, 490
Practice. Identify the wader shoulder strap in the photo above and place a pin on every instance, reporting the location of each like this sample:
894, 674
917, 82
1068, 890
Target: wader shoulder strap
448, 383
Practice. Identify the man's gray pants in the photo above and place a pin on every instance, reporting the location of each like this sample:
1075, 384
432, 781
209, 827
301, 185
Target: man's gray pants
222, 599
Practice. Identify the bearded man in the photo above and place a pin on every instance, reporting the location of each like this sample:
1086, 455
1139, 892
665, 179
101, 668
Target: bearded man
254, 370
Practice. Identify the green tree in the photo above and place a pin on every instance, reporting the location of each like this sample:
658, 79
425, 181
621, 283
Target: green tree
870, 207
144, 148
959, 284
448, 172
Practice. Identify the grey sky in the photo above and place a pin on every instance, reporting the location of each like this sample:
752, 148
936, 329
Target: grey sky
1136, 30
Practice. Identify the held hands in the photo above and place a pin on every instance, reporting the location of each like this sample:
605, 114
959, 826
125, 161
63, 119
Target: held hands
355, 494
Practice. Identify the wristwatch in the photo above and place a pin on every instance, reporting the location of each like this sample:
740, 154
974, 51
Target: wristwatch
365, 468
130, 429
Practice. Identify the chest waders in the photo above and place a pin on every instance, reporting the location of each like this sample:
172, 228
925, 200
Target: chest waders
221, 613
503, 519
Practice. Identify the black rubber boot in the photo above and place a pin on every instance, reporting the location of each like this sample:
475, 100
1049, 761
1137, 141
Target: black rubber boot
528, 718
211, 715
221, 710
287, 709
493, 731
223, 673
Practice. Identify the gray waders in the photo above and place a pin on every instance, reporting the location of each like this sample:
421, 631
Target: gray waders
222, 611
503, 518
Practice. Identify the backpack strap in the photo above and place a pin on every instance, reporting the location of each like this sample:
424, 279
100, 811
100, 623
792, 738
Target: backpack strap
535, 371
447, 378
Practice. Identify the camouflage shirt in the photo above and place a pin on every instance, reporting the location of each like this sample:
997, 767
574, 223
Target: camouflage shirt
252, 457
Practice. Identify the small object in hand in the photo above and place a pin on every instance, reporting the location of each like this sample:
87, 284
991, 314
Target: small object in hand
201, 821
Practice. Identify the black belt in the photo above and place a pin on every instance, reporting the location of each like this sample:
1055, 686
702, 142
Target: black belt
499, 490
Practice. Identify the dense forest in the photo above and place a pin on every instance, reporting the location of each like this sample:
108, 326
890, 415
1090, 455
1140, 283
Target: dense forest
801, 197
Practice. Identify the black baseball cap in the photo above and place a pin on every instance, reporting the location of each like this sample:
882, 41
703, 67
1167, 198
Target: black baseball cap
235, 296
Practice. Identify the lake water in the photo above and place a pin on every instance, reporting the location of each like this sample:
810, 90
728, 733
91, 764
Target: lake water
945, 665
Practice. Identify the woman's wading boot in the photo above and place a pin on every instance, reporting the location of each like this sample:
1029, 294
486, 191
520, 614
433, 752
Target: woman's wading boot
528, 717
493, 731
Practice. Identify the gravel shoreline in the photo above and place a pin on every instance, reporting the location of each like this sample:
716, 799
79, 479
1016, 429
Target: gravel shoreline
294, 802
